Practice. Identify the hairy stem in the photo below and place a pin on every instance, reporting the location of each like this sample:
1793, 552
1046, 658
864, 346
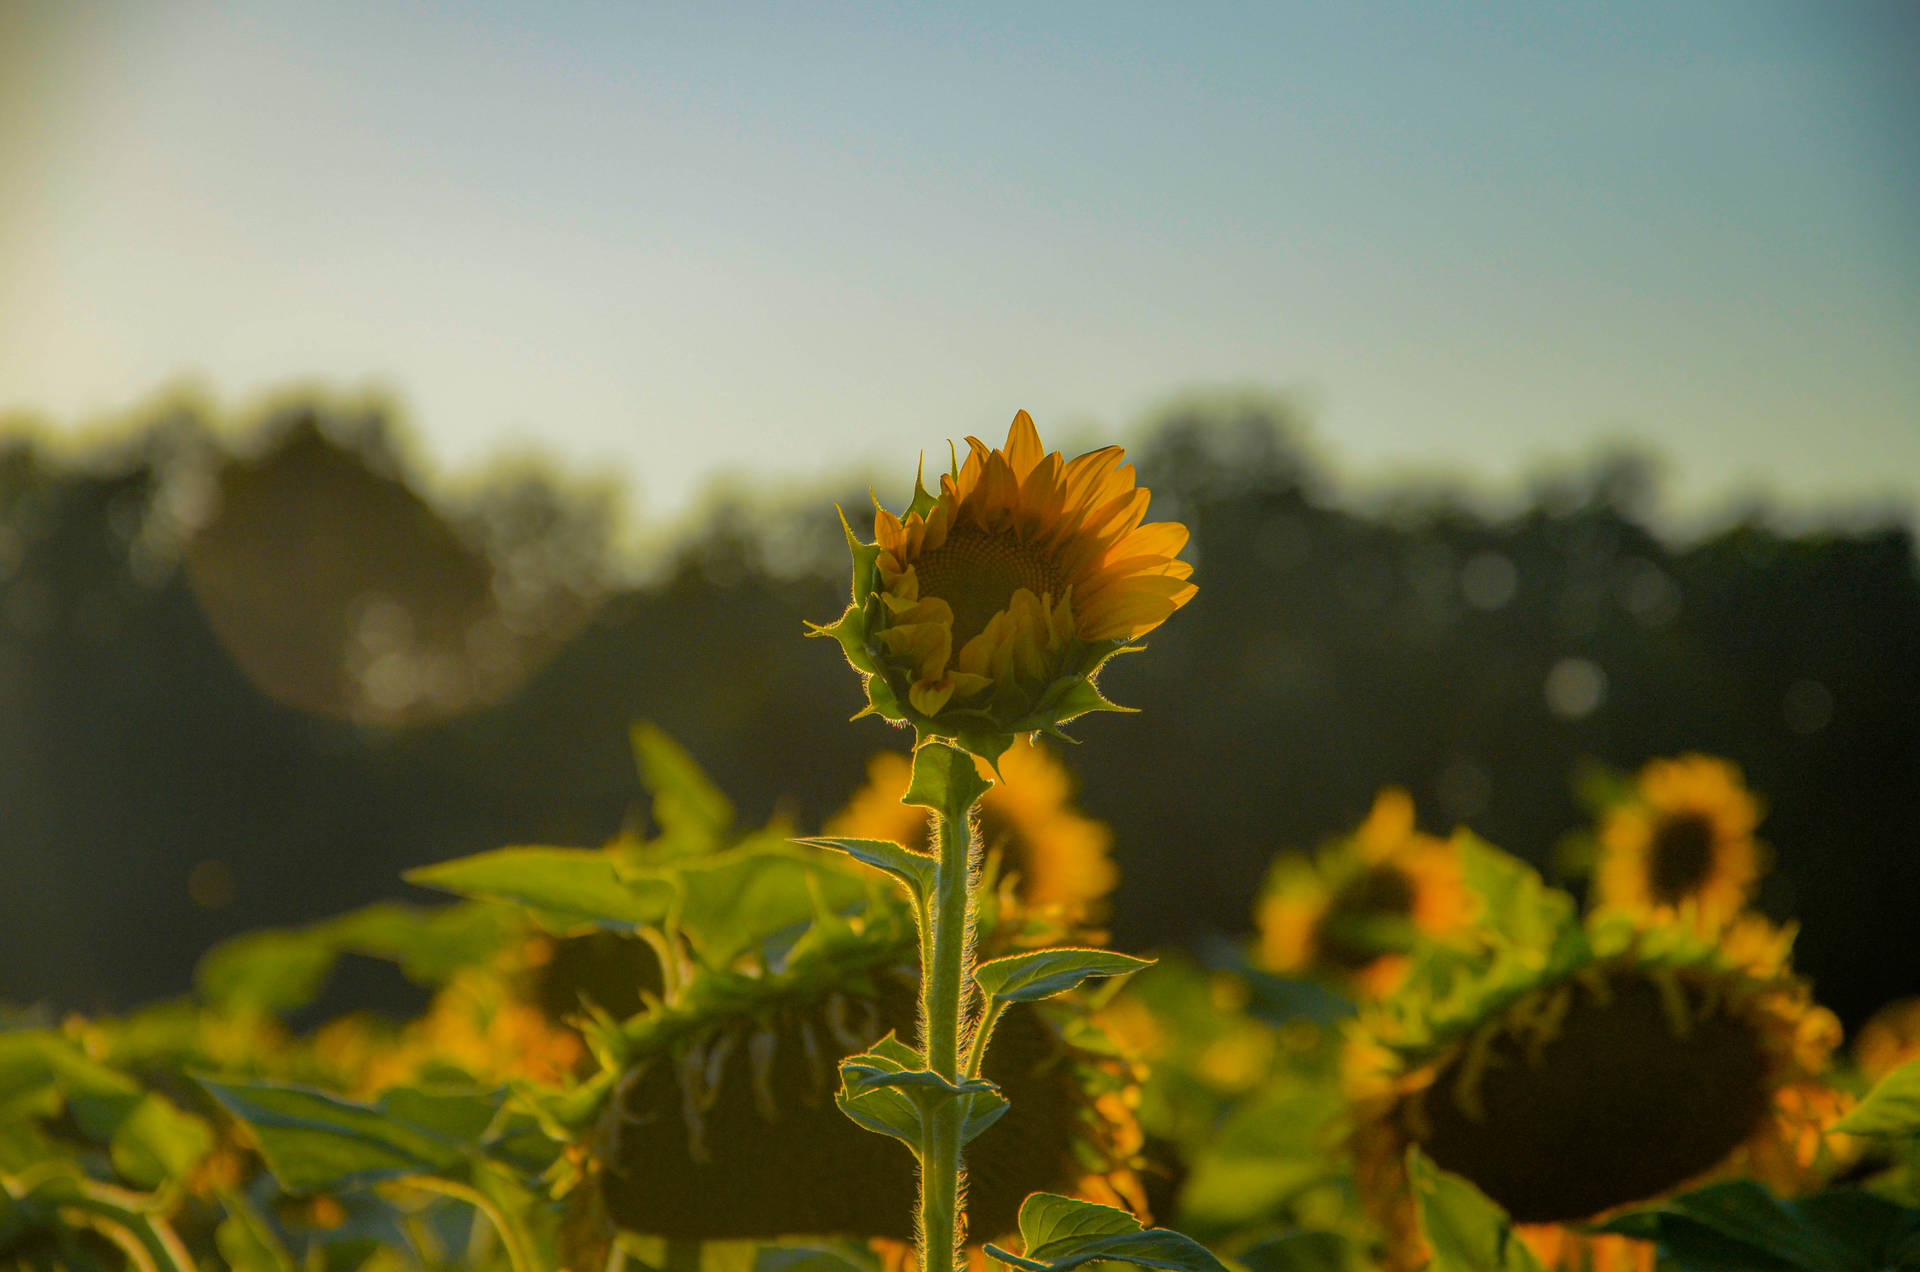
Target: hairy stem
943, 985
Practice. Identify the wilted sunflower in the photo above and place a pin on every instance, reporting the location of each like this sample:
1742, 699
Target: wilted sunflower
1638, 1063
1057, 858
743, 1063
986, 610
1684, 843
1361, 905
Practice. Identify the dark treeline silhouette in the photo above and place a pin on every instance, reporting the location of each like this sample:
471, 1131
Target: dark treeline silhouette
249, 684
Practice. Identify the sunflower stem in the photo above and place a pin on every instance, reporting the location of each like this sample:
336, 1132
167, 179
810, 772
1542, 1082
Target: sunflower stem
944, 982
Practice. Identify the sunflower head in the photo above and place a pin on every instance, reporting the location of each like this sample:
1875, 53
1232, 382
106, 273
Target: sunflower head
987, 610
1363, 904
742, 1063
1684, 842
1643, 1060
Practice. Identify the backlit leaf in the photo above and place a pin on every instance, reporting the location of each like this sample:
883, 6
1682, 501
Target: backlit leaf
1029, 977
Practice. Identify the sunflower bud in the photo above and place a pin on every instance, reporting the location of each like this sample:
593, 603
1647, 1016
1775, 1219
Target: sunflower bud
986, 611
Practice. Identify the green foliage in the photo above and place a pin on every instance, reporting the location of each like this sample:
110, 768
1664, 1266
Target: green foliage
1466, 1231
914, 870
689, 810
1738, 1226
316, 1142
890, 1090
566, 889
279, 971
1038, 974
944, 780
1058, 1233
1891, 1109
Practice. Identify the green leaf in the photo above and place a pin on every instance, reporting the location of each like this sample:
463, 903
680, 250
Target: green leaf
1047, 1218
1466, 1231
1062, 1232
314, 1141
734, 901
246, 1240
429, 944
1520, 907
888, 1090
1739, 1224
568, 887
945, 780
268, 971
156, 1142
691, 813
1891, 1109
914, 869
1030, 977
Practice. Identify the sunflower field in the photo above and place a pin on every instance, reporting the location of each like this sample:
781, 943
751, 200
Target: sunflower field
901, 1036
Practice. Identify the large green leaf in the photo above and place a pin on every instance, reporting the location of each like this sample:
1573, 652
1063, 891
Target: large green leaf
1520, 908
689, 810
1060, 1233
269, 971
1038, 974
1891, 1109
566, 887
314, 1141
1465, 1229
916, 870
1738, 1224
734, 901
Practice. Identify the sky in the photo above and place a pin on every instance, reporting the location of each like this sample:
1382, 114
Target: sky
665, 243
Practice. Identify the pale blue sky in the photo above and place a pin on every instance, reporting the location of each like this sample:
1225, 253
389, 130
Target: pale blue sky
672, 241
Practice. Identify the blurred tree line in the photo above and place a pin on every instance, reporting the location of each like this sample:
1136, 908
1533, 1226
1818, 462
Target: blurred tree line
247, 679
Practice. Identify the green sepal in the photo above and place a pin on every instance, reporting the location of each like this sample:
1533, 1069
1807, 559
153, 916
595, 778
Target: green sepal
945, 780
851, 631
1059, 1233
866, 560
1891, 1109
924, 500
888, 1089
1038, 974
915, 870
1466, 1230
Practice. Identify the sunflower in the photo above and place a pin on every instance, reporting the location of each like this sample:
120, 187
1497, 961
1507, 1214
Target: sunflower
1637, 1062
987, 610
1058, 860
1889, 1039
1358, 908
740, 1063
1685, 842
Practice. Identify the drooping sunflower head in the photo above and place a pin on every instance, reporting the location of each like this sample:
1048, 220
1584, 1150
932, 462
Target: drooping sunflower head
1357, 909
1643, 1061
1057, 860
739, 1064
986, 610
1684, 842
